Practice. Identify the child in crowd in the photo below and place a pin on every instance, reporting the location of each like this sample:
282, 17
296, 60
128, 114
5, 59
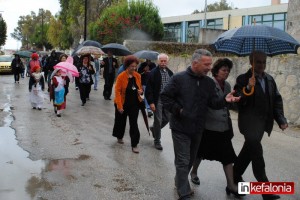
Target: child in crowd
36, 88
58, 90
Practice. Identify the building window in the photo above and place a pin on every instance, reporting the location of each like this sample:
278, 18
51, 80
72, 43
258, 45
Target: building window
192, 33
277, 20
215, 23
172, 32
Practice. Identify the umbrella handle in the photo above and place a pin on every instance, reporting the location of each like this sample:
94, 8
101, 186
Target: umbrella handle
252, 88
250, 93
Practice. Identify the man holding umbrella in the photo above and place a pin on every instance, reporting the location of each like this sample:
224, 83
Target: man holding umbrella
109, 64
257, 113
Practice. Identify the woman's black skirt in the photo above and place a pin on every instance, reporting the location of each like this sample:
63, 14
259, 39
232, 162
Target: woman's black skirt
217, 146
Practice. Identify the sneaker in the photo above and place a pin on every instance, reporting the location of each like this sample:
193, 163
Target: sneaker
58, 115
33, 107
39, 108
158, 146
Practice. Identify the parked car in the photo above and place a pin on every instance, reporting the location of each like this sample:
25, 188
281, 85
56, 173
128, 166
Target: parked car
5, 63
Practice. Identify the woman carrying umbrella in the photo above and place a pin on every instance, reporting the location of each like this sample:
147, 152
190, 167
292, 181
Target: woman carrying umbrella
85, 78
128, 89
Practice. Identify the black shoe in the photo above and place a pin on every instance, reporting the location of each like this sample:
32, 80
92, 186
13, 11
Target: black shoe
238, 179
39, 108
150, 114
195, 180
82, 104
229, 191
33, 107
270, 196
76, 88
187, 197
158, 146
58, 115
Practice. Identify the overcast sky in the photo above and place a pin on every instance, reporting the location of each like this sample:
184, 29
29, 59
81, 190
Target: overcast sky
12, 9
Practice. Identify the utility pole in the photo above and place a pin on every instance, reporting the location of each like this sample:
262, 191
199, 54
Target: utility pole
85, 19
42, 36
205, 10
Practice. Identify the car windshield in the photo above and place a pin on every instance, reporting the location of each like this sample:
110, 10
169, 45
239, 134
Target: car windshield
6, 58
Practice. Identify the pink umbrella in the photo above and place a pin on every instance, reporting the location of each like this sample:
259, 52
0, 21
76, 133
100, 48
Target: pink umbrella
68, 66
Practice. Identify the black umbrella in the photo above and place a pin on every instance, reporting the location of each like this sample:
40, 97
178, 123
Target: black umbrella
145, 117
146, 54
116, 49
91, 43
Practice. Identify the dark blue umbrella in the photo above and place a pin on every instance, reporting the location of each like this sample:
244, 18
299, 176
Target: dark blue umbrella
146, 54
242, 41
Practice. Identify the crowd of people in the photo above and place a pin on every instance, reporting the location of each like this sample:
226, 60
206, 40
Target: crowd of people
195, 104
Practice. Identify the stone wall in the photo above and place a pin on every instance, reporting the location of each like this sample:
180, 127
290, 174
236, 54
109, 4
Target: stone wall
293, 19
285, 69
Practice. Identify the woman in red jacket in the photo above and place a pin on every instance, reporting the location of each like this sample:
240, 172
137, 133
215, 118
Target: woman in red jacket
128, 89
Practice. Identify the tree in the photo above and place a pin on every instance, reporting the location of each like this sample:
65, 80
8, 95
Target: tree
222, 5
72, 17
3, 31
128, 20
58, 34
32, 29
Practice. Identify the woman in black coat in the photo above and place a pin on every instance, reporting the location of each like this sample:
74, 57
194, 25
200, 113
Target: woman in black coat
85, 78
17, 67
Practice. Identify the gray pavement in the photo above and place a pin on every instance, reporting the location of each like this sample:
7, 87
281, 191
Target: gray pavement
75, 157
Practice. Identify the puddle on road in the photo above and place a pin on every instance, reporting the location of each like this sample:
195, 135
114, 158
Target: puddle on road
16, 168
21, 178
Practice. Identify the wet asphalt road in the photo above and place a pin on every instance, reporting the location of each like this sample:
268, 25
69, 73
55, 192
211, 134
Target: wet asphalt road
76, 158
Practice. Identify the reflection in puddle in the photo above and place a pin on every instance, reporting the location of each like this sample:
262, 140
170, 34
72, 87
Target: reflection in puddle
16, 167
62, 167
